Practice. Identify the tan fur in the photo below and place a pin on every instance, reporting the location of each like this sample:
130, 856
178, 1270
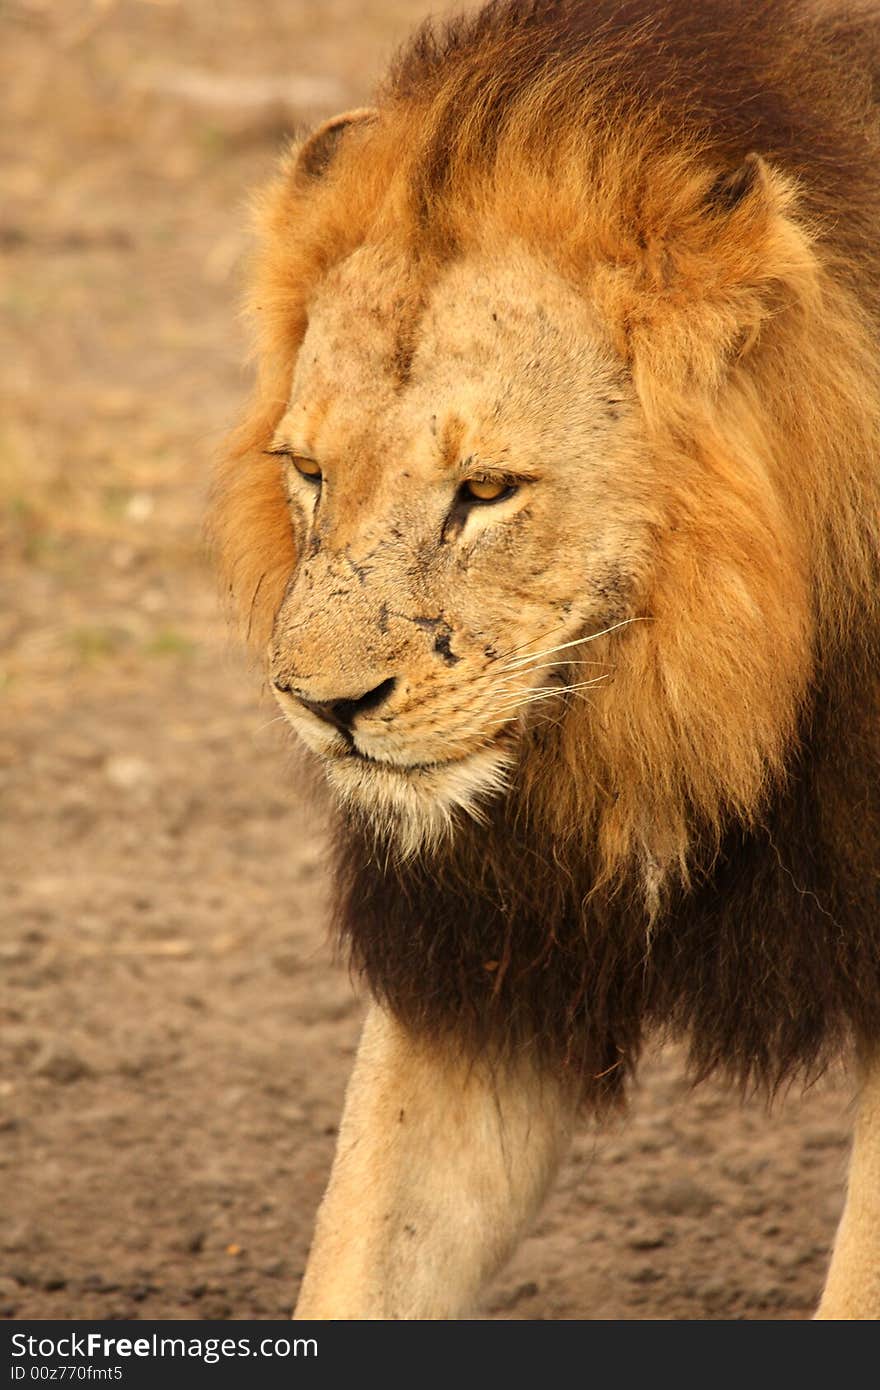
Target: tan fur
396, 1240
852, 1289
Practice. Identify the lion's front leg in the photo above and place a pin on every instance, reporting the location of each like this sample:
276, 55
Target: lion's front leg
440, 1165
853, 1286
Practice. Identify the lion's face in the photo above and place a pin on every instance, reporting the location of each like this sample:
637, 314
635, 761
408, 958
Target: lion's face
470, 498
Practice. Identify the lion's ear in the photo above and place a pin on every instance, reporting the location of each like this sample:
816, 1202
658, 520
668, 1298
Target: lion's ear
316, 155
718, 256
733, 188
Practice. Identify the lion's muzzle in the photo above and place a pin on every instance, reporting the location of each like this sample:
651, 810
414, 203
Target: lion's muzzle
341, 713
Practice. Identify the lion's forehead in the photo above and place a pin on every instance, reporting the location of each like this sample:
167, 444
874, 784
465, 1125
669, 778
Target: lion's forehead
397, 355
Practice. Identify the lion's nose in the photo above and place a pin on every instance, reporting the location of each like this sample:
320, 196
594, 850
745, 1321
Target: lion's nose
342, 713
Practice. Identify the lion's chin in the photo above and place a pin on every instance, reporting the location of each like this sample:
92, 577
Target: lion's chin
417, 806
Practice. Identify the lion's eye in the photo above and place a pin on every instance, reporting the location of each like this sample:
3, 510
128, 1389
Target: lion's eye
307, 468
486, 490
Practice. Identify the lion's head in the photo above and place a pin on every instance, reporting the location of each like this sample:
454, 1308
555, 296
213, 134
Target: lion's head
454, 546
538, 490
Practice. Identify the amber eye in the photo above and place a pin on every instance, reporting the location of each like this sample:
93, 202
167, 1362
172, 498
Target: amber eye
486, 490
307, 468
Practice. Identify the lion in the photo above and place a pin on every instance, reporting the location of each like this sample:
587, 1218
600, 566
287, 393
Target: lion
557, 513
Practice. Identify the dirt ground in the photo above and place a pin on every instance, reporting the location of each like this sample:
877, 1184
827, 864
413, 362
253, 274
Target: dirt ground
175, 1036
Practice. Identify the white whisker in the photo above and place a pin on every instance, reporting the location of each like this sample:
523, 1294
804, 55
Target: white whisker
575, 642
546, 692
502, 656
279, 719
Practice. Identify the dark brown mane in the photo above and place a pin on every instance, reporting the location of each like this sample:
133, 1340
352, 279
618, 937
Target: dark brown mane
769, 967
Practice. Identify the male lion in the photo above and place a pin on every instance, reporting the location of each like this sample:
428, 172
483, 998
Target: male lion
559, 509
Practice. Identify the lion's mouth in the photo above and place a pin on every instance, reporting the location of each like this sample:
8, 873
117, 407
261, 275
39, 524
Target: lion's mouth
500, 744
419, 803
385, 765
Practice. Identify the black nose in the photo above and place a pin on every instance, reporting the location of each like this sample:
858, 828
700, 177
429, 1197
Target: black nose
342, 713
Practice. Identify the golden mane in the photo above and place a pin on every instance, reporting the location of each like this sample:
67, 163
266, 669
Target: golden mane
707, 179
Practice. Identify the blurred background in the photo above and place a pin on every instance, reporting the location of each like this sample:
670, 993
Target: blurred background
175, 1036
